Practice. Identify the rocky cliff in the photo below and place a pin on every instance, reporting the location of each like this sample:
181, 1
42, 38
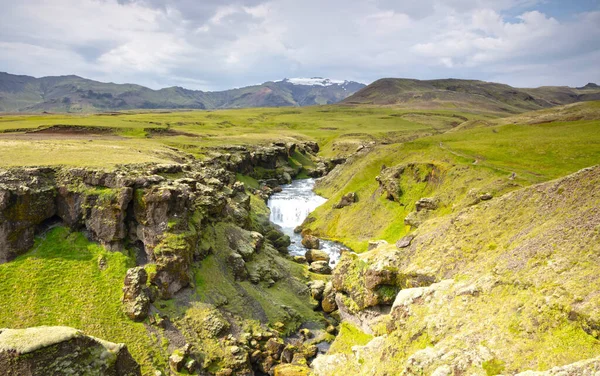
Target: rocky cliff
200, 238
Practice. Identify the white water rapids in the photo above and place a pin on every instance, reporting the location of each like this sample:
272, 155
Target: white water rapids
291, 206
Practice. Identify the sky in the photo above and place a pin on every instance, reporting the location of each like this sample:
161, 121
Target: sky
221, 44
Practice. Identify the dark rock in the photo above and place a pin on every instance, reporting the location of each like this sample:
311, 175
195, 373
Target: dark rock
288, 353
105, 216
486, 197
136, 295
192, 366
47, 350
316, 289
331, 329
215, 324
405, 241
238, 265
347, 200
274, 347
328, 303
426, 203
176, 361
320, 267
22, 207
173, 256
312, 146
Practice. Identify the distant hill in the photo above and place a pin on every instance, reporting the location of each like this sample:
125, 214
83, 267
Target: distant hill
468, 95
77, 94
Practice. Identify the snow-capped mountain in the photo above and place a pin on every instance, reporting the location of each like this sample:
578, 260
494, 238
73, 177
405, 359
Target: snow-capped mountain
315, 81
77, 94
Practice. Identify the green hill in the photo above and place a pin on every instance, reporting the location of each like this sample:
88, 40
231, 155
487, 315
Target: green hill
467, 95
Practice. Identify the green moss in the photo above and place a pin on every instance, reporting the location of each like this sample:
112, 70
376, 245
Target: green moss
493, 367
348, 336
248, 181
59, 283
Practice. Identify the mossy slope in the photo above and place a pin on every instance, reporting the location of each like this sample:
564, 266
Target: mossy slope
518, 290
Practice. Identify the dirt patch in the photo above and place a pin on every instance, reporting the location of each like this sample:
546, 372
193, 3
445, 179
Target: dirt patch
167, 132
62, 132
73, 130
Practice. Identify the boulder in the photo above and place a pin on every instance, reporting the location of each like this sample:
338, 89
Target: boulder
426, 203
316, 255
405, 241
215, 324
320, 267
238, 265
486, 197
176, 361
136, 295
288, 353
346, 200
59, 350
274, 347
328, 302
316, 289
310, 242
300, 259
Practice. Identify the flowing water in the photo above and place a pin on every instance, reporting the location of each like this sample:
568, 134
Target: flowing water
291, 206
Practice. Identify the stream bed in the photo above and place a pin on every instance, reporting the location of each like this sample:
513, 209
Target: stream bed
291, 206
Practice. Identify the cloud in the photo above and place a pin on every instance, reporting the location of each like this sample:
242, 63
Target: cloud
216, 44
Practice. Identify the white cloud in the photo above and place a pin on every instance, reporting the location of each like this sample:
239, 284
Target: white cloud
217, 44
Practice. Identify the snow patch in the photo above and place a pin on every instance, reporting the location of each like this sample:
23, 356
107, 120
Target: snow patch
314, 81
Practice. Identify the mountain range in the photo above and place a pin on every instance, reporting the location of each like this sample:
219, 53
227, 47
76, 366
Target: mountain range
470, 95
76, 94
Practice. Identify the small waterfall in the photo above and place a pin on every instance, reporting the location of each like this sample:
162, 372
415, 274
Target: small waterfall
291, 206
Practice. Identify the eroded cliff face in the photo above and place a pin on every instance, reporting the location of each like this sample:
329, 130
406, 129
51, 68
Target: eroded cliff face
158, 208
185, 224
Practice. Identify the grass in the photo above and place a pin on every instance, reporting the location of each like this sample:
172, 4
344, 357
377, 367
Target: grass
348, 336
60, 283
337, 129
473, 160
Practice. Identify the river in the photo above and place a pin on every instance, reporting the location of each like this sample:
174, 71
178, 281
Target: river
291, 206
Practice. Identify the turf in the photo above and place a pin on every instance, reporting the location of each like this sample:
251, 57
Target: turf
60, 282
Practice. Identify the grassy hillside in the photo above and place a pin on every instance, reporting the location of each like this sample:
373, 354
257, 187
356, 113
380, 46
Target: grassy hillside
468, 163
467, 95
60, 282
516, 289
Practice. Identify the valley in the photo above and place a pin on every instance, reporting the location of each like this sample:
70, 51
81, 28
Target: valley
467, 236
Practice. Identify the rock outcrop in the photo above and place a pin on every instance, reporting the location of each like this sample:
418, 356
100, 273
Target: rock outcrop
160, 209
391, 179
59, 350
346, 200
136, 295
